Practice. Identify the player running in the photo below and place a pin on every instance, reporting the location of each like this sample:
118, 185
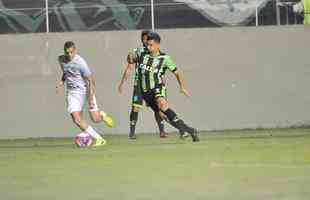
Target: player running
137, 99
152, 65
80, 87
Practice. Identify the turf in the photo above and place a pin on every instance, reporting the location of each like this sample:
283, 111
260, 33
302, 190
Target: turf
243, 165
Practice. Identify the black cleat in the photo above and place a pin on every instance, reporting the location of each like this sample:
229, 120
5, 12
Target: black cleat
132, 137
195, 136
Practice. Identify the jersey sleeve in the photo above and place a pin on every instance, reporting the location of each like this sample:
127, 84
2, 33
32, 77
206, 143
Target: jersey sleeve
138, 52
85, 71
170, 64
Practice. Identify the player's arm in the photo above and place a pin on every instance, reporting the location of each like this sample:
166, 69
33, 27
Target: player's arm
90, 79
91, 85
91, 89
131, 60
179, 76
62, 81
125, 76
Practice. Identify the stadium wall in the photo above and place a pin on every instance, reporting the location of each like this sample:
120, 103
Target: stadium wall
238, 78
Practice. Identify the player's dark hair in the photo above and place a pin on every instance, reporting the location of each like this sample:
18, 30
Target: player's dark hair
143, 33
68, 45
153, 36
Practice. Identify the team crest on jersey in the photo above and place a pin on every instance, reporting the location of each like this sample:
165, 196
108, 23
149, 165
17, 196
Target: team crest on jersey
155, 63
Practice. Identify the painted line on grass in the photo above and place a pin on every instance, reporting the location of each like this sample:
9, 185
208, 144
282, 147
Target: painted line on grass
250, 165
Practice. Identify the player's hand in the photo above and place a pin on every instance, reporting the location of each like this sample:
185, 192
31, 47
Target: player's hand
59, 86
185, 92
120, 89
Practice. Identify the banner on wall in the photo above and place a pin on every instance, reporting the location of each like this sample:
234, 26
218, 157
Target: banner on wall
24, 16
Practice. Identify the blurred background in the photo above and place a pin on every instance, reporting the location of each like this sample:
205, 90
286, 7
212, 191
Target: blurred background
28, 16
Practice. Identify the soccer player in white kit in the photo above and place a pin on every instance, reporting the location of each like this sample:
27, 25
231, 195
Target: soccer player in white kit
80, 87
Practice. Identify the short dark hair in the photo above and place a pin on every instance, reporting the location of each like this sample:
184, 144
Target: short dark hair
68, 45
144, 32
153, 36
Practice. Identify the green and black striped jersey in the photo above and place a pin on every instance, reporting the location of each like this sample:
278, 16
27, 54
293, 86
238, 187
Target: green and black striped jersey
137, 53
150, 69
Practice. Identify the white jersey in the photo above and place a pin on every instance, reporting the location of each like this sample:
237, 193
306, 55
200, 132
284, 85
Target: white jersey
74, 73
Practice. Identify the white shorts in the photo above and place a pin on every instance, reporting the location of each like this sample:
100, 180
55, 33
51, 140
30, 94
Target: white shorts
77, 101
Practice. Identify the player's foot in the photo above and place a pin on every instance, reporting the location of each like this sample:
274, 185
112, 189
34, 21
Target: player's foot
163, 135
99, 142
107, 119
132, 136
195, 136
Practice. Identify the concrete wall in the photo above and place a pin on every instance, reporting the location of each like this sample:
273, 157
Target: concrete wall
238, 78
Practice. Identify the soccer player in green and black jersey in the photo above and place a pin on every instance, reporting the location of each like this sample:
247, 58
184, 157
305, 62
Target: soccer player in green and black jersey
152, 66
137, 99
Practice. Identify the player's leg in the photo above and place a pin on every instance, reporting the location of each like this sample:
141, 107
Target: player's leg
78, 119
174, 120
98, 116
75, 104
137, 102
160, 117
183, 134
161, 91
133, 121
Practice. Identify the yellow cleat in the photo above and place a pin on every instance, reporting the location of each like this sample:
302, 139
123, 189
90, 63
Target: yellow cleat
99, 142
107, 119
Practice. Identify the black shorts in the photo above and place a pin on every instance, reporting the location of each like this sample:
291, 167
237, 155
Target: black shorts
150, 96
137, 99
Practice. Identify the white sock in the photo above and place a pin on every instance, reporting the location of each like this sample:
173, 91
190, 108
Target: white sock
93, 133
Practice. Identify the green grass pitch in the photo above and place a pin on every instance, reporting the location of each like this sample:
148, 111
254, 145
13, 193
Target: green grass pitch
242, 165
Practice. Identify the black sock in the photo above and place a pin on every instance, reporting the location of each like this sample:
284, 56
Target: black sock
133, 122
174, 120
185, 128
178, 123
160, 122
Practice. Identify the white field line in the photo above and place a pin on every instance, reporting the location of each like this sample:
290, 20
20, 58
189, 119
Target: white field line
259, 165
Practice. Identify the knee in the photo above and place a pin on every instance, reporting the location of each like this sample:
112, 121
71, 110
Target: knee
162, 104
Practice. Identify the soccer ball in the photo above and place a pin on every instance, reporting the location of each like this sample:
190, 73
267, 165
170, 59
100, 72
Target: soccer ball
83, 140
